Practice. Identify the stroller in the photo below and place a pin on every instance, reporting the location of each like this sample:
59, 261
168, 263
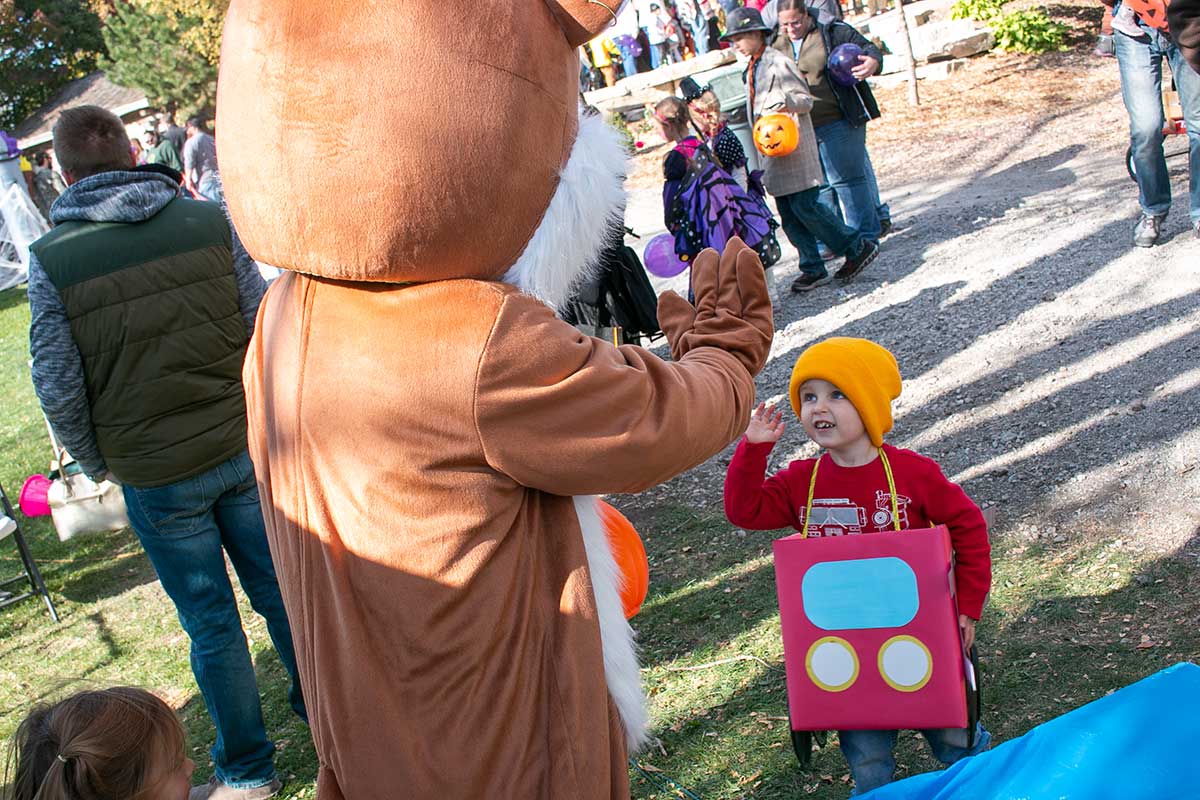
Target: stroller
617, 303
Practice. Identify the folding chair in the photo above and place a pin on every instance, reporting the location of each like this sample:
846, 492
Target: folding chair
9, 527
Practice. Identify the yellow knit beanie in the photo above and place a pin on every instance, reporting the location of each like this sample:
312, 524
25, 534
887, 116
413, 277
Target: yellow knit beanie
865, 372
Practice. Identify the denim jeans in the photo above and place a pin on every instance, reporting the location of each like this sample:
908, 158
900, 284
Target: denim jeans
843, 150
186, 528
210, 187
628, 59
805, 219
1140, 62
656, 53
700, 36
882, 209
873, 764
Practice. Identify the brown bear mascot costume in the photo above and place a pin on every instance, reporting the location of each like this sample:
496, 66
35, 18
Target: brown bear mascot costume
427, 435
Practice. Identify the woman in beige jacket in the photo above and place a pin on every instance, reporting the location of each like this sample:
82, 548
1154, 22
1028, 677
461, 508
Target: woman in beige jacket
774, 84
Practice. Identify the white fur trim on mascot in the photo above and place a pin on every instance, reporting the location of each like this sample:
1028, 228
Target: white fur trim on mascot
562, 252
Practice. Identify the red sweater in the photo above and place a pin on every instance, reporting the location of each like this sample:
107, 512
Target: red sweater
850, 500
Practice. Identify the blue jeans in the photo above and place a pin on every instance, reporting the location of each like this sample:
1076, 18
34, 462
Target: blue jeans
655, 53
1140, 62
843, 150
628, 60
873, 764
211, 188
882, 209
700, 36
805, 219
186, 528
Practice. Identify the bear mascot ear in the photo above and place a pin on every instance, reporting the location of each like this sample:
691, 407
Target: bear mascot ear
583, 20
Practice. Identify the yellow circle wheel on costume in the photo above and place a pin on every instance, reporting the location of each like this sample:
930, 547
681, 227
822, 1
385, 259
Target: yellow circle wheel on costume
832, 663
905, 663
776, 135
630, 555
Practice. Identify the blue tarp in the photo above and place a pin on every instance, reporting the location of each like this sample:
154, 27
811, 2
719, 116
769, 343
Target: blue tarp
1142, 741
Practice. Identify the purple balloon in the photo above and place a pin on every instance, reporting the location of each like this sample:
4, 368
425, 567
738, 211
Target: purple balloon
843, 59
660, 259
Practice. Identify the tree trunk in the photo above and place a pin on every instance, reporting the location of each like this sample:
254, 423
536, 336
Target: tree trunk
914, 98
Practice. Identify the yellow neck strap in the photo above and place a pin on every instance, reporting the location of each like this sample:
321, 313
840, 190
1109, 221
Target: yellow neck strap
812, 487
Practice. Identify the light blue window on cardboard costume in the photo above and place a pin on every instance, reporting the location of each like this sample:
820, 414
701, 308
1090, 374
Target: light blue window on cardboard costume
860, 594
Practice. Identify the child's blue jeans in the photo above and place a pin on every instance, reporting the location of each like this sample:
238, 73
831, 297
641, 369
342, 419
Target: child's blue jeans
873, 764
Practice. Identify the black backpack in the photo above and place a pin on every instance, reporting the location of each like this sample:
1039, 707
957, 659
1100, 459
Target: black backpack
618, 295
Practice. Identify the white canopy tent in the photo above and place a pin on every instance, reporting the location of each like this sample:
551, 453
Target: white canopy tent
20, 224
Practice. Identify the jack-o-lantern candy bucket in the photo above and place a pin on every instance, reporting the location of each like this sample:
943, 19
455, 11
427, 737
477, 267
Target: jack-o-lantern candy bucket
776, 135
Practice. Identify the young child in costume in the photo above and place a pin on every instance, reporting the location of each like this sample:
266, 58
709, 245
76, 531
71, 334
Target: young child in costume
121, 743
842, 390
705, 110
702, 205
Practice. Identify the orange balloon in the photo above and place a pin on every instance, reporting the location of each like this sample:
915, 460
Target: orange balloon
630, 555
776, 135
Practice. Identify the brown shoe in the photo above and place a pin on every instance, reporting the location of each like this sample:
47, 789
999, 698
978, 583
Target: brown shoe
216, 790
855, 265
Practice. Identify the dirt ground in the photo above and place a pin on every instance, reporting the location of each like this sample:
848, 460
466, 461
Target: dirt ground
1049, 365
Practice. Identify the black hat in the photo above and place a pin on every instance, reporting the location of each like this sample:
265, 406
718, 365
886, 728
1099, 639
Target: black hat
743, 20
690, 89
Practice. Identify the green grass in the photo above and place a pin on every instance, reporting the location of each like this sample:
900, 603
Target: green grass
118, 627
1067, 623
1063, 628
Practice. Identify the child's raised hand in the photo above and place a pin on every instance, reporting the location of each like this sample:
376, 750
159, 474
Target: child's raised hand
766, 425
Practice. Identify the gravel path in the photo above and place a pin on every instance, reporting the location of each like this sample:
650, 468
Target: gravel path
1050, 367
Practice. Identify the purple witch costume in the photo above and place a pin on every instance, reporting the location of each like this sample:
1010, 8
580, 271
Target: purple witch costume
705, 207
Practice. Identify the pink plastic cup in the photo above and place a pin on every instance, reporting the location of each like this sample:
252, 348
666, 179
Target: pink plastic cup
32, 499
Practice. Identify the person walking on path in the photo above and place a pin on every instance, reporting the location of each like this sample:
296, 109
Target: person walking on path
827, 11
1140, 61
840, 114
774, 85
174, 134
691, 15
47, 183
648, 20
624, 35
603, 50
667, 38
160, 150
138, 334
200, 162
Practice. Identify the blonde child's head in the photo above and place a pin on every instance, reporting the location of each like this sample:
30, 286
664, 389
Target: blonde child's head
671, 114
121, 743
706, 112
858, 371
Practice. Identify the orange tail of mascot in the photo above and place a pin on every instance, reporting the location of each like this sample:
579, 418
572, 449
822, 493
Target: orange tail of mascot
428, 436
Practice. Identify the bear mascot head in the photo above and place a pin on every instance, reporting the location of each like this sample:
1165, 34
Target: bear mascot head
428, 436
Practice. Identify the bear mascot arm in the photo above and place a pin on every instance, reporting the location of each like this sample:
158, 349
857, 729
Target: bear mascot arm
588, 418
